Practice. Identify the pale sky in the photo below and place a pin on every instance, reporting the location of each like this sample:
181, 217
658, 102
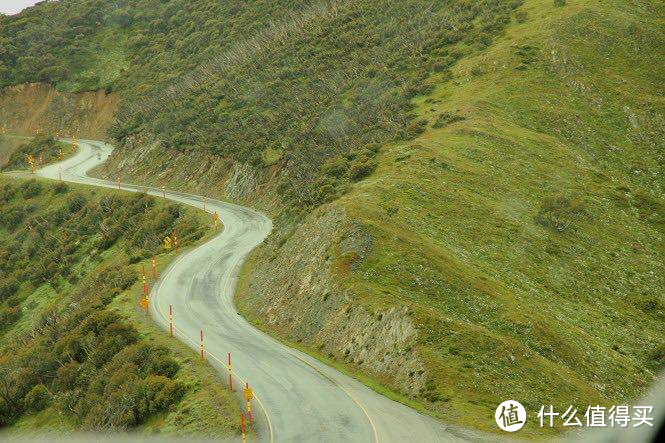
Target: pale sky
14, 6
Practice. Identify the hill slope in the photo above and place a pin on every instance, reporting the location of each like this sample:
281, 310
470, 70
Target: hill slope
513, 250
468, 195
76, 352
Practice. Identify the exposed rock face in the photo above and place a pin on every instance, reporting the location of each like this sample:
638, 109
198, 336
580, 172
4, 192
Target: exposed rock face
294, 290
148, 161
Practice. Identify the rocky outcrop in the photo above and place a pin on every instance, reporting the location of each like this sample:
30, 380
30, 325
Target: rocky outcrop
296, 288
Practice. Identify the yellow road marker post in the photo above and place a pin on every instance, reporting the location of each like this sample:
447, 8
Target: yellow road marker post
144, 304
215, 219
167, 242
176, 242
171, 320
31, 162
248, 394
154, 268
146, 291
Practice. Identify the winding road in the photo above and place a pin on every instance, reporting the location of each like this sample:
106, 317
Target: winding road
299, 399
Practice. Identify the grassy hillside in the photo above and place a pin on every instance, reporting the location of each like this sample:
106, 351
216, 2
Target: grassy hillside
521, 235
468, 195
76, 351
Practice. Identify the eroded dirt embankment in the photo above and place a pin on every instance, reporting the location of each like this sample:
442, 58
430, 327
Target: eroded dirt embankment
31, 108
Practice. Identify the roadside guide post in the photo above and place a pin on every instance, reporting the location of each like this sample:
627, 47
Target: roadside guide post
175, 240
242, 427
154, 268
171, 320
31, 162
144, 304
248, 394
202, 352
145, 282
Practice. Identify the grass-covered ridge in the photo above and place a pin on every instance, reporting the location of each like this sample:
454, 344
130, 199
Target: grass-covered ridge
522, 230
76, 352
528, 237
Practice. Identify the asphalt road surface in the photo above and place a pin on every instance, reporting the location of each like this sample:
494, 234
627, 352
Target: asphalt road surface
297, 398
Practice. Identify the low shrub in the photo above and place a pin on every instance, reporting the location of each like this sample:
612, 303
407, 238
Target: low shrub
361, 168
31, 189
37, 399
447, 118
560, 212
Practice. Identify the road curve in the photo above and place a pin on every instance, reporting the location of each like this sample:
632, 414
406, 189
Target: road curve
299, 398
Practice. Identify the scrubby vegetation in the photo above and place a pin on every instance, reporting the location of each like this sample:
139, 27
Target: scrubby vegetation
43, 148
305, 93
514, 206
65, 258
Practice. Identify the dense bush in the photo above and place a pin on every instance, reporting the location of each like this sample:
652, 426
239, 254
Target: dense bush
8, 316
560, 212
361, 168
37, 399
81, 357
8, 287
446, 118
31, 189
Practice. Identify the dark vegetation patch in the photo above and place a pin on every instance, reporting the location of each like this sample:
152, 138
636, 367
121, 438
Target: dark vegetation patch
447, 118
76, 355
560, 212
43, 148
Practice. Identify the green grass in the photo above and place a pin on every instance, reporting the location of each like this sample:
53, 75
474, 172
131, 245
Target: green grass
523, 229
506, 306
